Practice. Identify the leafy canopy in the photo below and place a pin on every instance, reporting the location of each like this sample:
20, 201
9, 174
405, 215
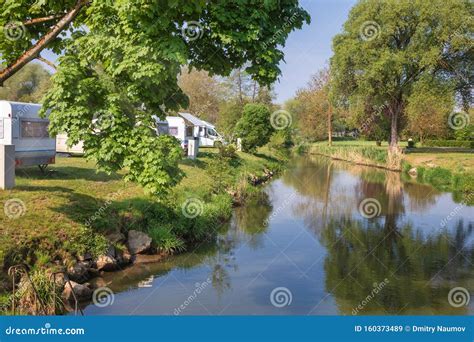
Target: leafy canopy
387, 47
120, 60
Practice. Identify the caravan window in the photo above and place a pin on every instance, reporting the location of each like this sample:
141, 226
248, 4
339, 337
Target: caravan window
173, 131
189, 131
212, 132
34, 129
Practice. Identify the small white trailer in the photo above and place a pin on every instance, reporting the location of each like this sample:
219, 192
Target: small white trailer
186, 126
21, 126
181, 129
61, 145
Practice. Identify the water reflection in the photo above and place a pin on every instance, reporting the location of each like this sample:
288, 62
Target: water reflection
305, 232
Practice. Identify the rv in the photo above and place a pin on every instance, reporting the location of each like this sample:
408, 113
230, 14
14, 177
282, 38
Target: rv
21, 126
186, 126
61, 145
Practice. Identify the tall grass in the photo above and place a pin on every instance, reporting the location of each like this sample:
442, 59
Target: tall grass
365, 155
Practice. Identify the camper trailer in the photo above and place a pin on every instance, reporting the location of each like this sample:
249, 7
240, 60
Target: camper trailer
61, 145
208, 135
21, 126
186, 126
181, 129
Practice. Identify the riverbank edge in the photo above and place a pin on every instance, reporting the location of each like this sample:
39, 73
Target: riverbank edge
73, 279
378, 166
440, 178
364, 156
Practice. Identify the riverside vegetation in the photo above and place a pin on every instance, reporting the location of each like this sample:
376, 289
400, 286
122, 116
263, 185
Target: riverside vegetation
76, 219
446, 171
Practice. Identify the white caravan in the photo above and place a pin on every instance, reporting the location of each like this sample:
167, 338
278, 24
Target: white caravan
61, 145
208, 135
61, 139
186, 126
181, 129
20, 125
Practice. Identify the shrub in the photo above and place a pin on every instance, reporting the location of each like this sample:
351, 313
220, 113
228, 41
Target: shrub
449, 143
254, 127
166, 241
228, 151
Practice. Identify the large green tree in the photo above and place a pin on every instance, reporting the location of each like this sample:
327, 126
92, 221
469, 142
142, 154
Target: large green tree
120, 61
386, 47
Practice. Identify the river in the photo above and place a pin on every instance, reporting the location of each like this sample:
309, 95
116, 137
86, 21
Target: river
326, 238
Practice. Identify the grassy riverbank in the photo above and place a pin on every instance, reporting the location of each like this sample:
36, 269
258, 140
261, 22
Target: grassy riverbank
359, 152
445, 171
51, 219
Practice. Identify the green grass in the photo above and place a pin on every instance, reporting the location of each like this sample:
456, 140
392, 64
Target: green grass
69, 209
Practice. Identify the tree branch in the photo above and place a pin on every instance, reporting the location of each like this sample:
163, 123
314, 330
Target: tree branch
45, 61
42, 43
42, 20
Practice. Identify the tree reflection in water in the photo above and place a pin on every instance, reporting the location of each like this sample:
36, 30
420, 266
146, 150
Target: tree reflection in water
362, 252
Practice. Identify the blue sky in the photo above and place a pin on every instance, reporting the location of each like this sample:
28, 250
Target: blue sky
308, 50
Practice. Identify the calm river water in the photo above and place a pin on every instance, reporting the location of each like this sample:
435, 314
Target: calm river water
327, 238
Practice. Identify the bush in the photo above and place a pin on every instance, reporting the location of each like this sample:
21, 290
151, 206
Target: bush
254, 127
449, 143
166, 241
228, 151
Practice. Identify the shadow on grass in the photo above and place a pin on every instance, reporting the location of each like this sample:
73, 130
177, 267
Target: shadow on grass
66, 173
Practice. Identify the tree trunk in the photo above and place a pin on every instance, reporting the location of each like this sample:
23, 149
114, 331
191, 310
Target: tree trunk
394, 115
330, 124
